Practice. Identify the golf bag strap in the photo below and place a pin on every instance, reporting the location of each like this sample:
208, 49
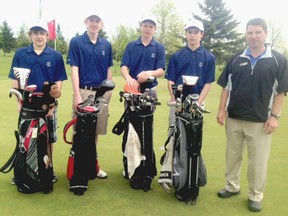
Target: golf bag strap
119, 126
162, 159
65, 130
11, 160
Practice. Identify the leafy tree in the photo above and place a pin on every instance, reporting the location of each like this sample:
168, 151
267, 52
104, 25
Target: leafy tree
103, 33
221, 35
23, 37
7, 41
119, 41
170, 27
275, 37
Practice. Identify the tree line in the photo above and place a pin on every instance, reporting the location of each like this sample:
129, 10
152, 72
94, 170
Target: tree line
221, 35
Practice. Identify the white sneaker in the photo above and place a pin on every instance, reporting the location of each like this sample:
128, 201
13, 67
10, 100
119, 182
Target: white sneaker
101, 174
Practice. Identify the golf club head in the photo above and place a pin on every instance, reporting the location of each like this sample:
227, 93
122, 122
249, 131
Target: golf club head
106, 85
30, 88
17, 94
22, 75
87, 109
150, 79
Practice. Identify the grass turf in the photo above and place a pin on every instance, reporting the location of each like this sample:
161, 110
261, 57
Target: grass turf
114, 196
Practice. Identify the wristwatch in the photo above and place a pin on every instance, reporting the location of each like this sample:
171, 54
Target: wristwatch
275, 116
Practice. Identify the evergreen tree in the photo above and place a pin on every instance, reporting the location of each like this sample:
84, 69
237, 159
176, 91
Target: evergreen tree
22, 39
220, 30
7, 41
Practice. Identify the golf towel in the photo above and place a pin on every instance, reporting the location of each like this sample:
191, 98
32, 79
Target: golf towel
133, 151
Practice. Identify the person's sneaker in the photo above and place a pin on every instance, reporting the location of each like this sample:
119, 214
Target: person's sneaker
12, 181
226, 194
254, 206
101, 174
54, 178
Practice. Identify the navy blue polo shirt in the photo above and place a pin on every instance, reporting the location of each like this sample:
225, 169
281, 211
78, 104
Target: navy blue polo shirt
48, 66
199, 63
93, 60
138, 57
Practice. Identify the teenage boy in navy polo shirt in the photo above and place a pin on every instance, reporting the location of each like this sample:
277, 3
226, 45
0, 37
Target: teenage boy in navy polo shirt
144, 58
45, 64
90, 58
192, 60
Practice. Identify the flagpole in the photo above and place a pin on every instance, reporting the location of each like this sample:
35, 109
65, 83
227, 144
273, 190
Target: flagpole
40, 9
55, 36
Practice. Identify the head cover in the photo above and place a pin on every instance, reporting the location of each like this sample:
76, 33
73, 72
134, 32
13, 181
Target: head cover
148, 18
92, 13
39, 25
131, 90
194, 23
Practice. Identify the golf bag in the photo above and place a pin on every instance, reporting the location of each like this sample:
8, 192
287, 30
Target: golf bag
137, 143
33, 171
82, 161
183, 167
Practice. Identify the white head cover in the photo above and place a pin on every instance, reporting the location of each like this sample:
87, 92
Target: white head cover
22, 75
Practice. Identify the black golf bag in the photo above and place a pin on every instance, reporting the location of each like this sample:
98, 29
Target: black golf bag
137, 143
33, 170
183, 168
82, 161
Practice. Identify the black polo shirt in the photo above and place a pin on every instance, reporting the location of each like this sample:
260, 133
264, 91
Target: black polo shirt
252, 88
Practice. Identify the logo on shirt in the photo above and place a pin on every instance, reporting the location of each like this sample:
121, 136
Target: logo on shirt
243, 64
200, 64
103, 53
48, 64
153, 55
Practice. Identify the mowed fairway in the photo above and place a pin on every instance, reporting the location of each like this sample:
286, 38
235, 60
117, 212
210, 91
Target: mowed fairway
114, 196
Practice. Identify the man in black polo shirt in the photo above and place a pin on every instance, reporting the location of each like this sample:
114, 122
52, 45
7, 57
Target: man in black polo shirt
254, 85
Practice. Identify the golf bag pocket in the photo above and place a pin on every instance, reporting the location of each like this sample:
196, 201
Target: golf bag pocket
32, 171
202, 172
165, 178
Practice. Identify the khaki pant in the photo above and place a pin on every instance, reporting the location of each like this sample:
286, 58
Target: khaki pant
240, 134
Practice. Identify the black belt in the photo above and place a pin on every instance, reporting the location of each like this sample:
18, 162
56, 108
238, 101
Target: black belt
91, 88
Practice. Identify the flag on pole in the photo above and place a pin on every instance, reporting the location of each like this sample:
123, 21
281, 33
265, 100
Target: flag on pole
52, 29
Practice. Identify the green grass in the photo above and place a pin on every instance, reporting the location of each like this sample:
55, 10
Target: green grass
114, 196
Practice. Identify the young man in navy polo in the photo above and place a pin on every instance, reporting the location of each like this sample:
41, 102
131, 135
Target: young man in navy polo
192, 60
90, 58
45, 64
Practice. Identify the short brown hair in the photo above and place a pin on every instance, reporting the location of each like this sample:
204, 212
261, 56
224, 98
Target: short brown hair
258, 21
